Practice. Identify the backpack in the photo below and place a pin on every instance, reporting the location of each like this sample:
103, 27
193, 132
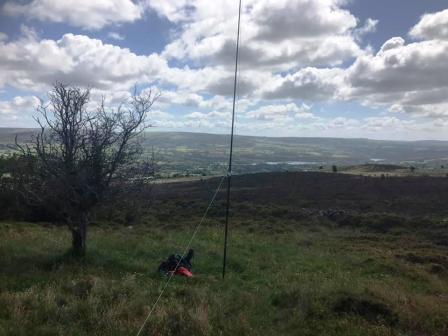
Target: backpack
184, 265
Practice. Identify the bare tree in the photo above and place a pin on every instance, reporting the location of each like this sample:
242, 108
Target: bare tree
79, 153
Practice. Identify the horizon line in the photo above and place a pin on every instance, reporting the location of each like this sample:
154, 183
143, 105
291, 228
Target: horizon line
266, 136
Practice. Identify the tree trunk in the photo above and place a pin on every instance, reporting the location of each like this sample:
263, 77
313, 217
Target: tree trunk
79, 237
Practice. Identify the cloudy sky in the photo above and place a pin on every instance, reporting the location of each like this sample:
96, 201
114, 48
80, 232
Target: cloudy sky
346, 68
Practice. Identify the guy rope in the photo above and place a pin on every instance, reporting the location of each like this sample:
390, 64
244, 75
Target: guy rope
183, 255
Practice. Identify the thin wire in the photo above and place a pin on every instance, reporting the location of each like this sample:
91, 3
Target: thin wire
238, 80
183, 255
229, 171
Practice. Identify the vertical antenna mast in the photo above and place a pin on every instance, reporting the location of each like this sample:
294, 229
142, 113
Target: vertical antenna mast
229, 171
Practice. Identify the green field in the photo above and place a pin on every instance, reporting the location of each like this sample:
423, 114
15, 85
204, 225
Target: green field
308, 282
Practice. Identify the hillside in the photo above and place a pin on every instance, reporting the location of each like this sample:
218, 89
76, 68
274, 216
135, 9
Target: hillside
325, 254
7, 135
296, 151
180, 154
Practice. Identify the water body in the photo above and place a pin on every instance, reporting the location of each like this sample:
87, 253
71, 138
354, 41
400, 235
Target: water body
293, 163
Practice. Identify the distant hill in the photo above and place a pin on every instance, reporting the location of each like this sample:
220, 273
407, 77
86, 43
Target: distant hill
7, 135
202, 153
302, 150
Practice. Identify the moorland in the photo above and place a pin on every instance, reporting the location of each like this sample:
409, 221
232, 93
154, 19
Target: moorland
309, 254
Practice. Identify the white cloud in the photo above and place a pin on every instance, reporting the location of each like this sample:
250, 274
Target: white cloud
212, 120
86, 14
168, 97
432, 110
19, 104
18, 111
192, 99
368, 27
401, 77
213, 80
277, 112
116, 36
277, 35
32, 64
112, 98
173, 10
386, 122
409, 77
158, 118
285, 19
311, 84
393, 43
432, 26
28, 63
343, 123
210, 115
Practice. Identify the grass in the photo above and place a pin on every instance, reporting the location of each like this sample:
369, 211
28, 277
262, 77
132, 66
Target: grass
306, 281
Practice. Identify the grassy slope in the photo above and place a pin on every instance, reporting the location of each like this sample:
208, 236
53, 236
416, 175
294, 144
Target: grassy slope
308, 282
290, 270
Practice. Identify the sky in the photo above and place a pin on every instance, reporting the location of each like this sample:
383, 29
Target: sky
322, 68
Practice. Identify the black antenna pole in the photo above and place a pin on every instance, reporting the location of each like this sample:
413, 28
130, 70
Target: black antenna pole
229, 171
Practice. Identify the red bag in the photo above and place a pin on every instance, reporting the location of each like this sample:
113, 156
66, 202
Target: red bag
183, 272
